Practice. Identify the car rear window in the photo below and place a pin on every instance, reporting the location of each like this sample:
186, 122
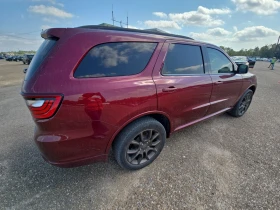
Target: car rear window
39, 57
115, 59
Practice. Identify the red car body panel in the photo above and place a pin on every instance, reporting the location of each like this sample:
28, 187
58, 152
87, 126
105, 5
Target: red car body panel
191, 96
94, 110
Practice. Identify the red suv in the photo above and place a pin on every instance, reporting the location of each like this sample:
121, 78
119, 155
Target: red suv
90, 89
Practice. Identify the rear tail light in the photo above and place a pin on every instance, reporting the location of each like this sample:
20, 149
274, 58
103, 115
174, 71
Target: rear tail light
42, 107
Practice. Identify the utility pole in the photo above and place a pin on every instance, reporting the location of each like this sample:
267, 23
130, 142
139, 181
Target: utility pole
113, 19
276, 47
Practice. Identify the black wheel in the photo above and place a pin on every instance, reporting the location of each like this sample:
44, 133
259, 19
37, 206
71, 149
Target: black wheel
139, 144
242, 105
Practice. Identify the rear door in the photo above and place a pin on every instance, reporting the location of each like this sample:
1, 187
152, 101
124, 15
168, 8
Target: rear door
183, 86
226, 83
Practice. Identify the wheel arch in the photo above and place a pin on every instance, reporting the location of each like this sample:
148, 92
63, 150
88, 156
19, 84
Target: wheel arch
162, 117
253, 88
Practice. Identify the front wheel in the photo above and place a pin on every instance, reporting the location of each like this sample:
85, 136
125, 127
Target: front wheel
139, 144
242, 105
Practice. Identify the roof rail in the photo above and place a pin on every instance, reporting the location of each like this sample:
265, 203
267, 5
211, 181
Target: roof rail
132, 30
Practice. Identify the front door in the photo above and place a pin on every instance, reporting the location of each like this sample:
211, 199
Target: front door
183, 87
226, 83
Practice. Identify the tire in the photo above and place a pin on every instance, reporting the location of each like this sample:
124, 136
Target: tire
134, 151
242, 105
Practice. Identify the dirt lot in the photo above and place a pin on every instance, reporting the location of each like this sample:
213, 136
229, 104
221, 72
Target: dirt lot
221, 163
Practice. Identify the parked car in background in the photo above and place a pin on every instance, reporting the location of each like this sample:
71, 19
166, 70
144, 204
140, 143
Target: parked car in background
251, 61
240, 60
16, 58
129, 95
27, 59
266, 59
19, 58
10, 58
1, 57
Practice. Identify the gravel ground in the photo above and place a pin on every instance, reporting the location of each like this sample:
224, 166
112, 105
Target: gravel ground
221, 163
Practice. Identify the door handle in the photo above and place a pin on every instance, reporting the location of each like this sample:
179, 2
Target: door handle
169, 89
219, 82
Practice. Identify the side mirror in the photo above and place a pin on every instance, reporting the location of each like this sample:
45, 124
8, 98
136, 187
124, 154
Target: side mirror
24, 71
242, 69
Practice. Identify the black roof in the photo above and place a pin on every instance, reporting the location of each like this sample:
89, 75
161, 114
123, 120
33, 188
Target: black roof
115, 28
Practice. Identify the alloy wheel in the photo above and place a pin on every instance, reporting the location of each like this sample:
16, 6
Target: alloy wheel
245, 103
143, 147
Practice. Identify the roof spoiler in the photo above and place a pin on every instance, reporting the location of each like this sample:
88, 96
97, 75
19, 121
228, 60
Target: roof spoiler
52, 33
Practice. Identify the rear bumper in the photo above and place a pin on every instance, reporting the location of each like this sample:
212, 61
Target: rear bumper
71, 148
77, 163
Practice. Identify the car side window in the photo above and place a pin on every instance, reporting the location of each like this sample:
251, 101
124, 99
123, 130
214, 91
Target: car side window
115, 59
183, 59
219, 62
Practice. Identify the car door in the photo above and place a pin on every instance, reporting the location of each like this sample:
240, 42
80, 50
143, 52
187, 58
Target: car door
226, 83
183, 86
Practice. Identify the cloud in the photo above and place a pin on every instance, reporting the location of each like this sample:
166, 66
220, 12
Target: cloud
133, 27
218, 32
211, 34
260, 35
235, 28
201, 17
255, 33
49, 10
163, 24
113, 55
204, 10
44, 27
50, 1
50, 20
160, 14
260, 7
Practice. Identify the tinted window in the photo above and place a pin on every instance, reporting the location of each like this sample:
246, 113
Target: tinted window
183, 59
115, 59
219, 62
39, 57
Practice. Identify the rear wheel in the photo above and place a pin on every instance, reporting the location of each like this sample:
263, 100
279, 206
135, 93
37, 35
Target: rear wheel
139, 144
242, 105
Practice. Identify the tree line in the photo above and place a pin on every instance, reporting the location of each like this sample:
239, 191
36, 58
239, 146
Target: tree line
19, 52
267, 51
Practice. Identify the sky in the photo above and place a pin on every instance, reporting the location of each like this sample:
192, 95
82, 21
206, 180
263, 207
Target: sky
232, 23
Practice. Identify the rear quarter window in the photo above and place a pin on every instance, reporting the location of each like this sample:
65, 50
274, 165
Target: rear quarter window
39, 57
115, 59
